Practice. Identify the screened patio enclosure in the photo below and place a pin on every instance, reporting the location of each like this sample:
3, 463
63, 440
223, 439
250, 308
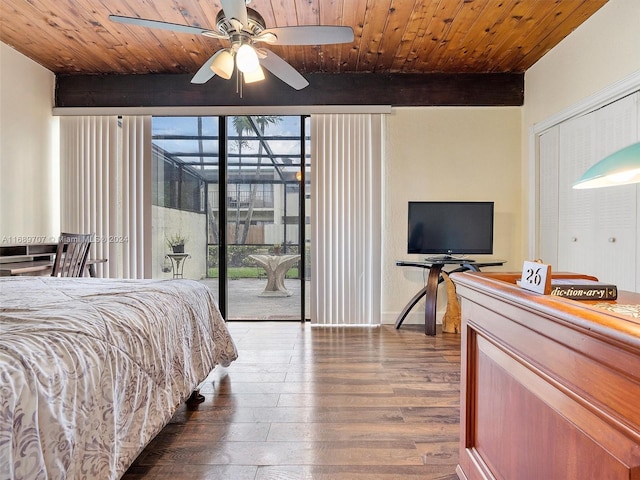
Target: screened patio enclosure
232, 188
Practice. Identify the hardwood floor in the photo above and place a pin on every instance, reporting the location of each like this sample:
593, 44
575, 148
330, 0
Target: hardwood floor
319, 403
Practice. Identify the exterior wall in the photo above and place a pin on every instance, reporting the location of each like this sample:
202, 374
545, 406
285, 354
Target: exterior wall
436, 153
167, 222
29, 151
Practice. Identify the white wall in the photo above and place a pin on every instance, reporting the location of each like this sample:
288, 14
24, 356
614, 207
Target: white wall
436, 153
602, 51
29, 172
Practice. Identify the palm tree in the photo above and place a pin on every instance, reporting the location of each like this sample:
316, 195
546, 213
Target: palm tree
262, 121
241, 124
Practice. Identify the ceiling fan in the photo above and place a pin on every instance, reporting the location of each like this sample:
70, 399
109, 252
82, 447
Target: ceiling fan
244, 27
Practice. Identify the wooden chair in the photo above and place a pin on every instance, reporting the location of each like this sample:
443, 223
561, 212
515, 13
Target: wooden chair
71, 254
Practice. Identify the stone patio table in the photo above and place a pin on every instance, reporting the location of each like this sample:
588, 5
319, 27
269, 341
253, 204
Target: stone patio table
276, 267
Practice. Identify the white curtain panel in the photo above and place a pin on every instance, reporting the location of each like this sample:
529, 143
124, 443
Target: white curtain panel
104, 160
346, 218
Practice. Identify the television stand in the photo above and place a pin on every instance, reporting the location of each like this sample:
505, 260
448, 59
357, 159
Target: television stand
448, 257
430, 290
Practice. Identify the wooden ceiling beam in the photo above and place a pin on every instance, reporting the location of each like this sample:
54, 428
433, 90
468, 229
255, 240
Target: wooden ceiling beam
162, 90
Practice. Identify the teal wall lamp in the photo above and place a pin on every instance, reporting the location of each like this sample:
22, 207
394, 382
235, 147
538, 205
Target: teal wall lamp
619, 168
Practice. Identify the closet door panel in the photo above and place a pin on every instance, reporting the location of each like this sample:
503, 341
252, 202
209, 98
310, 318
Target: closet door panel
614, 251
548, 195
576, 220
616, 207
575, 250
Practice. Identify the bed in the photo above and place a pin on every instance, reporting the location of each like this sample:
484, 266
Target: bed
92, 369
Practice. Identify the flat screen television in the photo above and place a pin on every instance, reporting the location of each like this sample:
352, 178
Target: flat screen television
450, 229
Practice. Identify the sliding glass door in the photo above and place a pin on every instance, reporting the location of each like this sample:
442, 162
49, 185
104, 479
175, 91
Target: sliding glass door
263, 217
232, 188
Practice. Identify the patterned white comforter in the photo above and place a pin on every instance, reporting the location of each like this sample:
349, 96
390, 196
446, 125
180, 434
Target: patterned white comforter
92, 369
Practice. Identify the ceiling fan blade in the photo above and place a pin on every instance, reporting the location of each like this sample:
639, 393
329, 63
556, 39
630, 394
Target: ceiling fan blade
143, 22
235, 10
283, 70
204, 74
307, 35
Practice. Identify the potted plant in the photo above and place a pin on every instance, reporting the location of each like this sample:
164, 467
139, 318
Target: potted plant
176, 242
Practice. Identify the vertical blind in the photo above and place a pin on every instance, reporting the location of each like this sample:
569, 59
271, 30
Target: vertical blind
103, 163
346, 218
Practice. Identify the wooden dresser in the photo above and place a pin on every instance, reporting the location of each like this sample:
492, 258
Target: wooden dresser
550, 387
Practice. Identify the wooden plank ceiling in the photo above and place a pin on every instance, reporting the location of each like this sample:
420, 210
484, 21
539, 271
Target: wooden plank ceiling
401, 36
391, 36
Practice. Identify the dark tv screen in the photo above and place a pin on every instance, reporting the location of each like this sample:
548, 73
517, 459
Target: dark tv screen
450, 228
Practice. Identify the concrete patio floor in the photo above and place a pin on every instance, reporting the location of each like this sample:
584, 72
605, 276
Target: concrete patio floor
245, 303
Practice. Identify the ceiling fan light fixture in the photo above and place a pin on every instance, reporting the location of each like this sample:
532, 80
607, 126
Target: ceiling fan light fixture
247, 59
242, 27
253, 76
223, 64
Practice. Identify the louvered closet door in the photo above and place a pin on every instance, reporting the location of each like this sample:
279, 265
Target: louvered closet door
616, 213
598, 230
576, 220
548, 212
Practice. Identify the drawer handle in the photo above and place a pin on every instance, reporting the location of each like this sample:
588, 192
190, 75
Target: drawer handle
574, 239
612, 239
